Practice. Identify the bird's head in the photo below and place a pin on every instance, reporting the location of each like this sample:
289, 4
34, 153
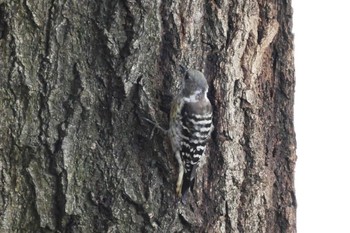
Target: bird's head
195, 85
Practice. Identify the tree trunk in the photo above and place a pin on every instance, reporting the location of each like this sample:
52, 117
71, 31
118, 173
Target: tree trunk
76, 78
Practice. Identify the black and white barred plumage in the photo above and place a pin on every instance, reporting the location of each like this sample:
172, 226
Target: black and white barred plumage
190, 128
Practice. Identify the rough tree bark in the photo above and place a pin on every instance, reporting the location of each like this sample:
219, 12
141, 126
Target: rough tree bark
76, 76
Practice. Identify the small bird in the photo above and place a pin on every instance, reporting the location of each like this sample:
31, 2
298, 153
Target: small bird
191, 123
190, 126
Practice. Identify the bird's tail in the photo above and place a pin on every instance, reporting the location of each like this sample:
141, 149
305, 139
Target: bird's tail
188, 184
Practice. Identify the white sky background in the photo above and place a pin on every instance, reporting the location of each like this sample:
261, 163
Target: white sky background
322, 115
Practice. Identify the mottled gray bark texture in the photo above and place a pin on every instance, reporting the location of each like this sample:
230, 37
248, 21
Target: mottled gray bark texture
78, 75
